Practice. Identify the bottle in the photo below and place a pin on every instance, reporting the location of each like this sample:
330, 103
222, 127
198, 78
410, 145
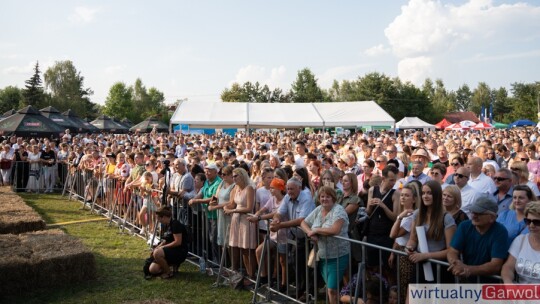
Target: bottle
202, 265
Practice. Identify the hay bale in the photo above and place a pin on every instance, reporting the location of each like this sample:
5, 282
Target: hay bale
43, 259
17, 217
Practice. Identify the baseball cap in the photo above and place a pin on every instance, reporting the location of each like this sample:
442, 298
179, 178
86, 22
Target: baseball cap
484, 205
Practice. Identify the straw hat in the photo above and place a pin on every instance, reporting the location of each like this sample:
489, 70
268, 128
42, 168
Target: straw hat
422, 153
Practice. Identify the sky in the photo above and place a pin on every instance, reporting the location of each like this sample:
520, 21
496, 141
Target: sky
195, 49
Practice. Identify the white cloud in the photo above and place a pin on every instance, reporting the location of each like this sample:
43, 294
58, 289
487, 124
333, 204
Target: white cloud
25, 69
276, 77
377, 50
83, 14
427, 30
416, 69
110, 70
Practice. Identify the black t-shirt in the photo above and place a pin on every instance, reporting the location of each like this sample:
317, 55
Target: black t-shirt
446, 163
48, 156
175, 227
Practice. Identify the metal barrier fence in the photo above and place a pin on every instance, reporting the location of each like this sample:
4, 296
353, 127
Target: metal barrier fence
35, 177
225, 245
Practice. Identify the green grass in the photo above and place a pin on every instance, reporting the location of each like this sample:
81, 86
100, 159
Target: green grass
119, 260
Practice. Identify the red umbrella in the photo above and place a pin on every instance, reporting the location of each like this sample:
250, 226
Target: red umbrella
443, 124
456, 126
482, 126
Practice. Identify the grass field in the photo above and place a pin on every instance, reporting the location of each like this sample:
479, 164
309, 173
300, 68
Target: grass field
119, 260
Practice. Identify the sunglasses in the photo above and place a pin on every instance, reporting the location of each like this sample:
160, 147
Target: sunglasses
390, 151
379, 161
528, 221
455, 164
147, 164
500, 179
235, 176
514, 169
524, 159
460, 175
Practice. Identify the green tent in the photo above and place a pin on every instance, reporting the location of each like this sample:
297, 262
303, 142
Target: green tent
499, 125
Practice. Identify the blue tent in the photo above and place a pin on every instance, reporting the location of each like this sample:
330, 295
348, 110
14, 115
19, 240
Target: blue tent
522, 123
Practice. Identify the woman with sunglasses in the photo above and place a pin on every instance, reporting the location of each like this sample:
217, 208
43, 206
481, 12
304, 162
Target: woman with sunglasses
524, 252
455, 163
512, 218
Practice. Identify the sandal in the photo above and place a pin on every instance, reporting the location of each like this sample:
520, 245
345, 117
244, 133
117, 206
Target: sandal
167, 276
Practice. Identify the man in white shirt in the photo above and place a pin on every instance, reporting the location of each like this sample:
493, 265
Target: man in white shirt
478, 179
468, 194
300, 152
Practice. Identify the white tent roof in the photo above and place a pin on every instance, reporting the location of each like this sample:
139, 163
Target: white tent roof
413, 123
283, 115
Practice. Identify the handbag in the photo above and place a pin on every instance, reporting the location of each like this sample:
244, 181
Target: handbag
313, 257
5, 164
363, 220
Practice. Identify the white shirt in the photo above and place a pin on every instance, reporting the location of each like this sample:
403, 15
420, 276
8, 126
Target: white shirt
483, 184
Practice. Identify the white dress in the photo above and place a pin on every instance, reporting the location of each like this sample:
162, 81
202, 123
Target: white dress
33, 179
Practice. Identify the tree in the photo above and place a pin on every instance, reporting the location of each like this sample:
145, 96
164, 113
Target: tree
502, 105
10, 98
250, 92
524, 101
481, 97
33, 92
67, 89
305, 88
118, 102
463, 98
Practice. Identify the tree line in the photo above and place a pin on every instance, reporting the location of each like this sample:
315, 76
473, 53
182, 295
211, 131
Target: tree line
63, 88
429, 102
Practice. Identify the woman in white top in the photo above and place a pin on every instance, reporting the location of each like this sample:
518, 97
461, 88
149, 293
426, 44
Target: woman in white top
409, 200
34, 160
524, 257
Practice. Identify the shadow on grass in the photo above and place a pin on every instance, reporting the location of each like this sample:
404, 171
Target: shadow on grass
121, 280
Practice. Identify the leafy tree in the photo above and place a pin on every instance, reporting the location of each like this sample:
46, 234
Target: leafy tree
250, 92
305, 88
525, 99
463, 98
481, 97
67, 89
10, 98
118, 102
502, 105
33, 92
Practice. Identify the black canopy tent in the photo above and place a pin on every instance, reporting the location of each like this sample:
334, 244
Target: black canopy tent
105, 124
8, 114
126, 122
28, 122
82, 125
148, 125
55, 115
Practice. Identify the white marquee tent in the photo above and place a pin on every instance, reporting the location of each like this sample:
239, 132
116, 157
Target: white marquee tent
280, 115
413, 123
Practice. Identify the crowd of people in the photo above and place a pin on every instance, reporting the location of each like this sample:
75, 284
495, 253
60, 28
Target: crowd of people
471, 195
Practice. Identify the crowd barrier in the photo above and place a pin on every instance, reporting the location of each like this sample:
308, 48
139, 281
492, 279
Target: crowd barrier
24, 176
211, 249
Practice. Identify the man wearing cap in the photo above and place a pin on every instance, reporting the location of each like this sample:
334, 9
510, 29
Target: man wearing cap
391, 153
204, 197
480, 244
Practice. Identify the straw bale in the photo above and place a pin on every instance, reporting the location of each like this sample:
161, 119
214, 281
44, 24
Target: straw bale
16, 216
48, 258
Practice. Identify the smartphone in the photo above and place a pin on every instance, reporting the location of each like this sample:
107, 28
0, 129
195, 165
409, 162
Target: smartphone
329, 184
